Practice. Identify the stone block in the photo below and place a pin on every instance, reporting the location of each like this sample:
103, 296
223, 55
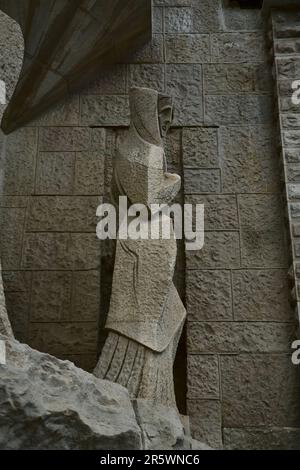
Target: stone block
184, 84
237, 19
62, 214
249, 160
267, 438
239, 337
109, 110
11, 225
202, 377
206, 421
51, 296
207, 16
187, 48
64, 338
293, 173
200, 147
89, 173
65, 113
290, 121
291, 138
16, 281
208, 295
179, 20
64, 139
239, 47
221, 250
109, 83
146, 75
288, 68
238, 109
157, 20
220, 210
260, 390
151, 53
292, 155
262, 231
287, 46
197, 181
18, 308
173, 150
236, 78
61, 251
261, 295
55, 173
86, 296
19, 161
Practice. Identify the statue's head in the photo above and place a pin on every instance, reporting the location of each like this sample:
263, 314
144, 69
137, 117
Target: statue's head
151, 114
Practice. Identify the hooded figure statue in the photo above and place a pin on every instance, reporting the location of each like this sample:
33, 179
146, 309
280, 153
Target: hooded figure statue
146, 315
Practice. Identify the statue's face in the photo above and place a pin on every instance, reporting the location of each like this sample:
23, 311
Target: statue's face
165, 114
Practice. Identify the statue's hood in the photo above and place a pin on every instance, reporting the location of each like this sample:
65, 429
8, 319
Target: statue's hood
144, 114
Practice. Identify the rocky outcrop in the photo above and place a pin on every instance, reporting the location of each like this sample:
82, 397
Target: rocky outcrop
46, 403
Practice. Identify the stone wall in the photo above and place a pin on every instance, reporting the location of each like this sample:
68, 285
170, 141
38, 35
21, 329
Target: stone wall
242, 390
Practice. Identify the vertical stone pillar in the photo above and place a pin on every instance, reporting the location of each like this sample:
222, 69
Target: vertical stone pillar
283, 18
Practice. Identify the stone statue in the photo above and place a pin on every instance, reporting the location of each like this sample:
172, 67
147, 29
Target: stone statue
146, 315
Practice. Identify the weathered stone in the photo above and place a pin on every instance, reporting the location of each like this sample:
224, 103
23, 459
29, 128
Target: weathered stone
161, 426
237, 19
292, 155
86, 296
18, 308
290, 121
291, 138
16, 281
33, 418
206, 421
19, 160
179, 20
242, 337
268, 438
109, 110
62, 214
187, 48
146, 75
111, 83
13, 201
249, 160
239, 47
157, 20
220, 211
63, 114
201, 181
288, 68
221, 250
202, 377
55, 173
200, 147
236, 78
64, 338
262, 234
238, 110
184, 83
207, 16
152, 53
262, 295
5, 325
89, 173
173, 150
208, 295
51, 296
273, 384
287, 46
86, 362
61, 251
11, 234
293, 191
64, 139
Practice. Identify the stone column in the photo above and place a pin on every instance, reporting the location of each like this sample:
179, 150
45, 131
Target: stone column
283, 18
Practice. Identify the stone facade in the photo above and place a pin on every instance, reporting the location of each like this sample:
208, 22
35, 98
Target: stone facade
242, 389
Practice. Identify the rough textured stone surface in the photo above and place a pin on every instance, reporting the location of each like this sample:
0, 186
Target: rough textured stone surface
236, 78
200, 147
50, 404
220, 210
261, 295
206, 421
146, 75
64, 139
197, 181
269, 438
221, 250
104, 110
239, 337
208, 295
187, 48
55, 173
273, 383
238, 47
203, 377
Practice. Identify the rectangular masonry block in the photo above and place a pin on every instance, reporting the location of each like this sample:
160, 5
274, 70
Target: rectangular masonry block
187, 48
202, 377
200, 147
208, 295
239, 47
64, 139
206, 421
239, 337
108, 110
220, 210
55, 173
197, 181
266, 438
260, 390
221, 250
146, 75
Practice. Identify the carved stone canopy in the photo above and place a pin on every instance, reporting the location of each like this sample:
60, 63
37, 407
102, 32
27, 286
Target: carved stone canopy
67, 44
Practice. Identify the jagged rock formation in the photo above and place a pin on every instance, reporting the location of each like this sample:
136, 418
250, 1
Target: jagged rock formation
46, 403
